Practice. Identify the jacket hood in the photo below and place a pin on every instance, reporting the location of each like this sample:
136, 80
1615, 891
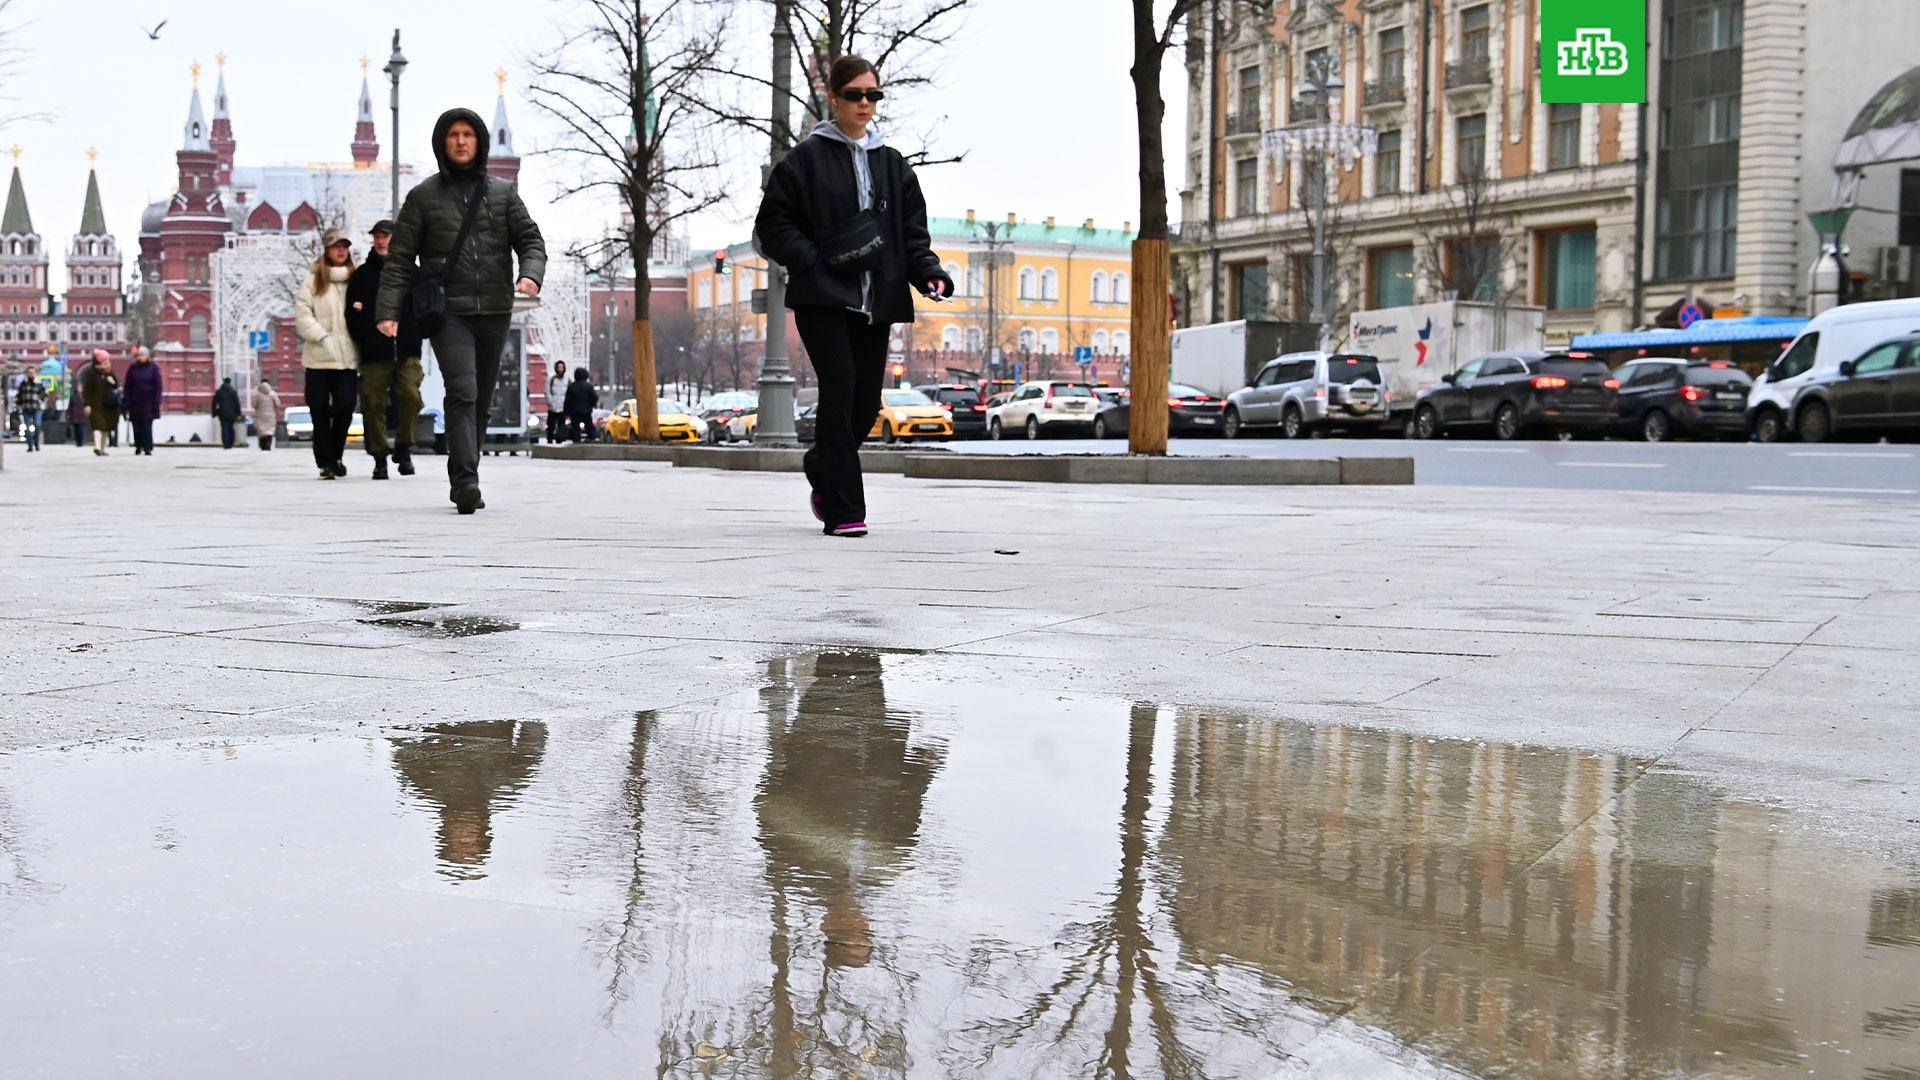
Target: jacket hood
447, 168
827, 129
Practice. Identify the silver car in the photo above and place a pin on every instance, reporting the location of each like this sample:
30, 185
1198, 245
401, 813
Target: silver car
1311, 391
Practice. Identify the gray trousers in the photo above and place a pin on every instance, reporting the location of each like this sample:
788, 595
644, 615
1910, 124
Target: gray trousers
468, 348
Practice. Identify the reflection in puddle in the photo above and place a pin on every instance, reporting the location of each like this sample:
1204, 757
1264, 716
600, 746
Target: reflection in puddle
854, 869
450, 626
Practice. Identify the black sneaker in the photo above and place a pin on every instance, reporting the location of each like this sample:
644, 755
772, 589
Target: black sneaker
467, 499
379, 468
403, 460
340, 469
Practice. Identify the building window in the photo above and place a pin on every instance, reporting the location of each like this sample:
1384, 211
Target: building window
1386, 164
1049, 285
976, 281
705, 298
1393, 56
1122, 343
950, 339
1029, 283
1563, 136
1249, 97
1246, 186
1476, 34
197, 332
1471, 145
1697, 168
974, 338
1100, 340
1390, 276
1049, 341
1474, 268
1698, 229
1120, 294
1566, 266
1027, 340
1249, 282
1099, 286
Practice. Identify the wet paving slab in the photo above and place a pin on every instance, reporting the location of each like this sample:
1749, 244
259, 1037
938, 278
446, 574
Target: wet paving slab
849, 866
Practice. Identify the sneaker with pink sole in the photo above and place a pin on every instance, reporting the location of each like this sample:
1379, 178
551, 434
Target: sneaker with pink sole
851, 528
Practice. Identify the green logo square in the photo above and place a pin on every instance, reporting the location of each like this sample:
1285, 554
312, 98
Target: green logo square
1593, 51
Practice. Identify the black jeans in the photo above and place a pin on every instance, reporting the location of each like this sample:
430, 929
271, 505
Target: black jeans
226, 430
143, 435
849, 357
468, 348
331, 395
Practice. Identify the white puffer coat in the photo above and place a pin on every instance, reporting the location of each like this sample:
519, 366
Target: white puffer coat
321, 320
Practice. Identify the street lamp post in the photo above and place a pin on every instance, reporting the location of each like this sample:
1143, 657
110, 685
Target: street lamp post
775, 423
1320, 141
396, 64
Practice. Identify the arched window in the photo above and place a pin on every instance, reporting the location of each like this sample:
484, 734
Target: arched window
1049, 341
1049, 285
1120, 294
1099, 286
1027, 340
1121, 343
974, 339
197, 332
1029, 283
1100, 341
950, 339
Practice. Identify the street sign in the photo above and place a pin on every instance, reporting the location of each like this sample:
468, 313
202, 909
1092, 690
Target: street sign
759, 302
1083, 355
1691, 314
259, 340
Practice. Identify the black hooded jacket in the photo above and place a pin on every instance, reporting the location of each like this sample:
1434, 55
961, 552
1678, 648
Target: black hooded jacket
811, 191
429, 223
363, 294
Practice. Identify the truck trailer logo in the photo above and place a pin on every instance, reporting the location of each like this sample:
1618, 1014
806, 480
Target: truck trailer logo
1420, 347
1593, 52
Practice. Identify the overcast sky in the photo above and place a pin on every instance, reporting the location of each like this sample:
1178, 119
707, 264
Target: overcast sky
1036, 94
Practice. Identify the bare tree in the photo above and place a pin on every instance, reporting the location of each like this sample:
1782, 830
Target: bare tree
1466, 242
11, 55
625, 88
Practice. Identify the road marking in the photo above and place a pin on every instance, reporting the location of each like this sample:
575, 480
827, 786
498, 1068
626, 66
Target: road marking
1869, 454
1487, 450
1610, 465
1834, 490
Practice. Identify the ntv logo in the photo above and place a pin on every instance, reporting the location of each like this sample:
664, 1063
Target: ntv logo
1593, 52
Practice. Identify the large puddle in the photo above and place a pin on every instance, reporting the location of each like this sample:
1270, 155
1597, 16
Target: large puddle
856, 870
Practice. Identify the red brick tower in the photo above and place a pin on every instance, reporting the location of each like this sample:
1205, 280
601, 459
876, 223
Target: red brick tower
221, 141
194, 228
502, 160
366, 144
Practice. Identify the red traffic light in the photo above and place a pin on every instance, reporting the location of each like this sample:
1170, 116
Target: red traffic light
720, 263
899, 370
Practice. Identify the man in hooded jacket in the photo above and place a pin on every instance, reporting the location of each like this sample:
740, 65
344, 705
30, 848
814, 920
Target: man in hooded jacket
388, 365
480, 286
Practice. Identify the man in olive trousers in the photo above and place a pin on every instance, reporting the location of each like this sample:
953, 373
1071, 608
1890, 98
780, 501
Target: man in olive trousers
388, 365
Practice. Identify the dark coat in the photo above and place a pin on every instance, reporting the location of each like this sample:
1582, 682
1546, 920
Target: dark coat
429, 222
103, 392
144, 390
811, 191
582, 399
226, 402
363, 294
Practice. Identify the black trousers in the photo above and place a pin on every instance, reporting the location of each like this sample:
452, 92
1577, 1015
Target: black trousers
143, 435
331, 396
468, 348
849, 357
226, 433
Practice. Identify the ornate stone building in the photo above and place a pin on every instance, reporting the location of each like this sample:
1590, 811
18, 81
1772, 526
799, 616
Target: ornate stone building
90, 315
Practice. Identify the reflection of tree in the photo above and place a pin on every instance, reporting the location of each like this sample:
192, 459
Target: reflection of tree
463, 769
622, 945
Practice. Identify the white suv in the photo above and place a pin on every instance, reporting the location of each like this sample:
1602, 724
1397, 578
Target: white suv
1045, 406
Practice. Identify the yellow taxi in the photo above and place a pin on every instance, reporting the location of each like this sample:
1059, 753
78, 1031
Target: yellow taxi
677, 423
910, 414
742, 426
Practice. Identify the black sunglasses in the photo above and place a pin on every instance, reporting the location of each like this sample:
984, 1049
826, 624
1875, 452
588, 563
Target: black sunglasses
873, 96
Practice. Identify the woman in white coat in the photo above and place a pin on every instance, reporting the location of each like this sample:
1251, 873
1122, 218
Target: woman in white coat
266, 412
327, 353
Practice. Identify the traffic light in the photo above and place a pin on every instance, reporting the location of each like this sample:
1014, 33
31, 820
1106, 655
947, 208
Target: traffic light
720, 265
899, 371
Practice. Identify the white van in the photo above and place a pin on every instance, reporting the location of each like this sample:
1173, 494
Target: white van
1842, 333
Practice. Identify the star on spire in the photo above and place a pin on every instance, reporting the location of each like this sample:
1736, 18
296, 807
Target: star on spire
196, 74
363, 65
92, 156
500, 76
221, 59
16, 154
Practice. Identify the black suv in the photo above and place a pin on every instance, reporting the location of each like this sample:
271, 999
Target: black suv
1510, 394
1662, 398
969, 414
1876, 394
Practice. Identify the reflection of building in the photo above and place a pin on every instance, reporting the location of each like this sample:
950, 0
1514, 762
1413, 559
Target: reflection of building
92, 314
1506, 905
466, 771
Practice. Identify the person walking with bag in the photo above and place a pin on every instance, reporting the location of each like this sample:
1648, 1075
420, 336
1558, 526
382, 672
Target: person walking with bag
843, 212
389, 366
451, 267
103, 400
145, 388
327, 353
266, 412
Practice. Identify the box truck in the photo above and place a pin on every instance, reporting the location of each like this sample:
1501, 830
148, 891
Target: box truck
1418, 344
1223, 357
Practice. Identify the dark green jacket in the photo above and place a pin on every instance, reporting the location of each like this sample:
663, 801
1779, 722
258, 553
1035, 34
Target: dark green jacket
429, 222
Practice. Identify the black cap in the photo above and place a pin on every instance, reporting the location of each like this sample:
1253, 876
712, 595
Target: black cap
384, 225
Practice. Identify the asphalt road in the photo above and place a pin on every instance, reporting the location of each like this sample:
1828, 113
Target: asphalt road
1870, 471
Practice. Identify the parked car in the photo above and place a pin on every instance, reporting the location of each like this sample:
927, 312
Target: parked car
1190, 411
1662, 398
805, 422
1039, 407
1829, 338
910, 414
677, 423
1300, 393
1876, 394
721, 410
1512, 394
1116, 411
299, 421
963, 404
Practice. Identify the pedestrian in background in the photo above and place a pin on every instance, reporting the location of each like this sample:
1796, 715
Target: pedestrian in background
145, 388
581, 399
389, 366
844, 214
327, 353
266, 412
103, 400
432, 232
226, 409
556, 401
77, 425
31, 402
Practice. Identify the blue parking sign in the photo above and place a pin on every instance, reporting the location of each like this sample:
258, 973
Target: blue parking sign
259, 340
1083, 355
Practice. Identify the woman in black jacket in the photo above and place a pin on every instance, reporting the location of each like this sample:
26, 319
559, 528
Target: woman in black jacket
579, 403
844, 214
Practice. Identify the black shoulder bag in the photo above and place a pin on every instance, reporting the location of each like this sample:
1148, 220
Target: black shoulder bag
857, 244
427, 297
